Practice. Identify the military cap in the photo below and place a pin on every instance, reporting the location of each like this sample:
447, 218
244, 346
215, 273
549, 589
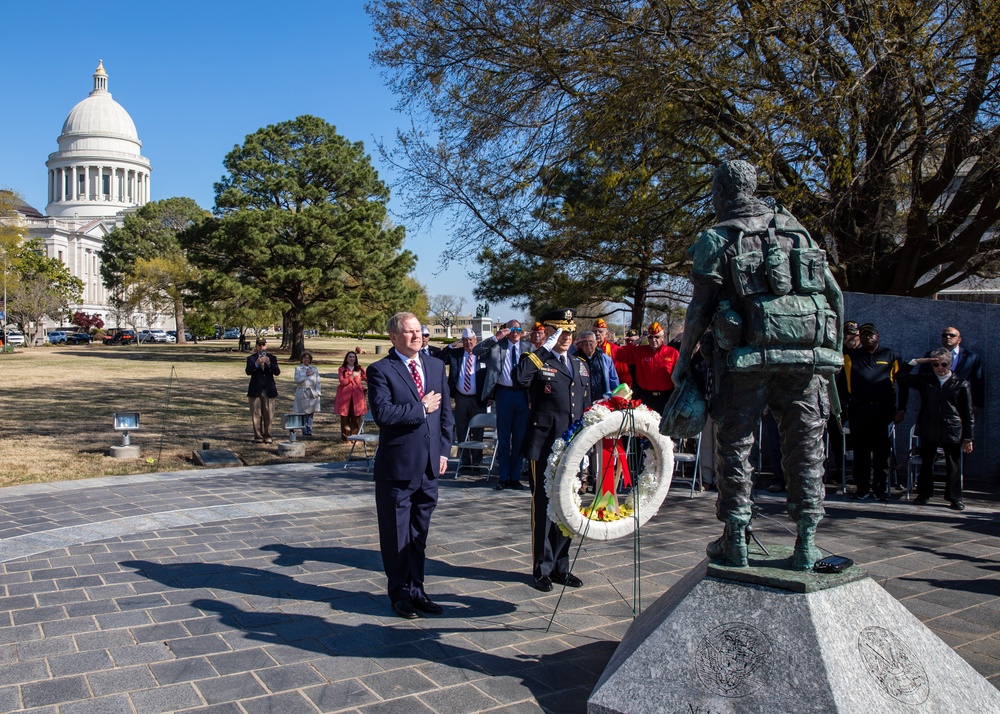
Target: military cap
632, 333
868, 328
261, 341
537, 327
561, 319
654, 329
599, 323
467, 333
424, 330
850, 327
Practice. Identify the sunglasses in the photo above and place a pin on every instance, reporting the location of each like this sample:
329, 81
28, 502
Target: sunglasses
949, 334
515, 329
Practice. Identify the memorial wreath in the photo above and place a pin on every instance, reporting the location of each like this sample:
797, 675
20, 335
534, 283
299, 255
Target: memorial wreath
608, 422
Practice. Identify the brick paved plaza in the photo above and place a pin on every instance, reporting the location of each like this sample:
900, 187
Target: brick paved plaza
261, 590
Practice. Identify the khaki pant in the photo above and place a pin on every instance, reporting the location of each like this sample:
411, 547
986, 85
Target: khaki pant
261, 412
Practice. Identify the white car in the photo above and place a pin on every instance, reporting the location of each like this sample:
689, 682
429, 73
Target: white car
160, 336
14, 339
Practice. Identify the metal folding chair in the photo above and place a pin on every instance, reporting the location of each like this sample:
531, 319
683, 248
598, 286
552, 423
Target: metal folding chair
364, 439
487, 422
914, 463
685, 457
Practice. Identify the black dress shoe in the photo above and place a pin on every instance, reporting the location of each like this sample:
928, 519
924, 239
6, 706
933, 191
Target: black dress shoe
516, 485
500, 486
405, 609
428, 606
957, 506
569, 580
544, 584
920, 502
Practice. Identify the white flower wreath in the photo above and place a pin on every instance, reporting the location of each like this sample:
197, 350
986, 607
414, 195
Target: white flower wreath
562, 473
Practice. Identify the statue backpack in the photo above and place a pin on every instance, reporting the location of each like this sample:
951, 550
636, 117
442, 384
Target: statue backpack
780, 317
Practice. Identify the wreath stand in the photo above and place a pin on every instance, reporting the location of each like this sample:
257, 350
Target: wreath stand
606, 518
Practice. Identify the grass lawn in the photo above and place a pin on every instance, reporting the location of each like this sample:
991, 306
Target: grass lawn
57, 405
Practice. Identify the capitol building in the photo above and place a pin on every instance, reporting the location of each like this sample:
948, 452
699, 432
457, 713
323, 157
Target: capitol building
96, 175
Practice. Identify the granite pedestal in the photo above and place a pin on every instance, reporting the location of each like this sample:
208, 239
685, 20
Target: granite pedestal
780, 641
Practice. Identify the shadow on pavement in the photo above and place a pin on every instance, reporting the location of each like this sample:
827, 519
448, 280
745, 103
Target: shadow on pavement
370, 560
545, 676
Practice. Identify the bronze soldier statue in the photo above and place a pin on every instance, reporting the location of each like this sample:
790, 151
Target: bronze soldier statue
764, 288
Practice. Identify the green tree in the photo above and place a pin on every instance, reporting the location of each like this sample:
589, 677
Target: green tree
151, 234
302, 222
876, 123
38, 287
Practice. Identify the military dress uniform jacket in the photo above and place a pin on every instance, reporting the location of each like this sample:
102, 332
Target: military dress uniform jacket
557, 396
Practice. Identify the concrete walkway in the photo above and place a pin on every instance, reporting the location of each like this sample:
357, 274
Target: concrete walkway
261, 590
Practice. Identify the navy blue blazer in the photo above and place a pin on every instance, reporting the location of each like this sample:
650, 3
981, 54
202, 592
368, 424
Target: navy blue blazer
408, 441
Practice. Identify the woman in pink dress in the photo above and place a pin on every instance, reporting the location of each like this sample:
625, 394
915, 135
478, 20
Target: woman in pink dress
350, 401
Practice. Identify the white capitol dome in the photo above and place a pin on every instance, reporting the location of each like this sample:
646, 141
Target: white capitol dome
98, 170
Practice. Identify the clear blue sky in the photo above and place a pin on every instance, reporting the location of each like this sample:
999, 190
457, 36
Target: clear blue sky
196, 78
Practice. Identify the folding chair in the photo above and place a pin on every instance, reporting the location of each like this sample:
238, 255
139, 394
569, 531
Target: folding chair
688, 457
487, 422
364, 439
845, 456
913, 465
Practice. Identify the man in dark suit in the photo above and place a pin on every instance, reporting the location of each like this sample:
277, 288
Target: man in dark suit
466, 374
502, 352
262, 369
426, 348
558, 386
965, 364
408, 398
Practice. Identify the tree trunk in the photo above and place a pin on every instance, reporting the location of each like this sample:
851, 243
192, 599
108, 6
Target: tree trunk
179, 320
297, 340
639, 302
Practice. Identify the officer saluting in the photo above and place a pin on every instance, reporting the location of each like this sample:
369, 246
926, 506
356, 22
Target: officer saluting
558, 392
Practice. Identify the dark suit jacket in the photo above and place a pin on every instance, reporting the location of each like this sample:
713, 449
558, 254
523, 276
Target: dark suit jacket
455, 357
409, 442
557, 396
970, 369
262, 378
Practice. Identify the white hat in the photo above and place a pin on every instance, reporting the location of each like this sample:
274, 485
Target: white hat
467, 333
424, 330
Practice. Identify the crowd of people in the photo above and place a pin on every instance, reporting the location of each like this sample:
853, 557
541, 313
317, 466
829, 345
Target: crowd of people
424, 399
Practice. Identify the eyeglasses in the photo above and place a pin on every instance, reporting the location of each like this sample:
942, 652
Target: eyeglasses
943, 365
515, 329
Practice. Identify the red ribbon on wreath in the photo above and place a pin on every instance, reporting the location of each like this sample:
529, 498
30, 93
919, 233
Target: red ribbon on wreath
610, 448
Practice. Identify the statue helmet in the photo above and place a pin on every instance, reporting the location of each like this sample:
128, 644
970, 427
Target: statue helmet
686, 413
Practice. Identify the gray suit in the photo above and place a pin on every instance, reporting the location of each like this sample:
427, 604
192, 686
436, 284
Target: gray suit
497, 352
511, 405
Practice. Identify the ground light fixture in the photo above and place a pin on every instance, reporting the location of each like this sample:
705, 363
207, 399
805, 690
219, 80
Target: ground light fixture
292, 423
126, 423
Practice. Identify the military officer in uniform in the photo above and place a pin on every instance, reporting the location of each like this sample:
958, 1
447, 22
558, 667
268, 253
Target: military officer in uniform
558, 387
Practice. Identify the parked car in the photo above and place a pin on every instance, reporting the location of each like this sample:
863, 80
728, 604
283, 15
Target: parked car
79, 338
14, 338
231, 334
159, 336
187, 335
57, 337
119, 337
144, 336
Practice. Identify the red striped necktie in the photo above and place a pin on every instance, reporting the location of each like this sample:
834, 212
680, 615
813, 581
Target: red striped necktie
416, 379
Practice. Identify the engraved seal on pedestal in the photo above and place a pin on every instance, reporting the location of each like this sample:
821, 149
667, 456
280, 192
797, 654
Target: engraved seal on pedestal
734, 659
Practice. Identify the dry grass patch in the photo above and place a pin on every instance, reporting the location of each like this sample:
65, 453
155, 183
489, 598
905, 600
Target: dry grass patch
58, 401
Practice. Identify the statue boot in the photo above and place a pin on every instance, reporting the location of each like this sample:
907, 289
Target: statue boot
731, 548
806, 553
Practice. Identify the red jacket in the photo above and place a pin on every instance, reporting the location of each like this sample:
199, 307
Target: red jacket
652, 369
